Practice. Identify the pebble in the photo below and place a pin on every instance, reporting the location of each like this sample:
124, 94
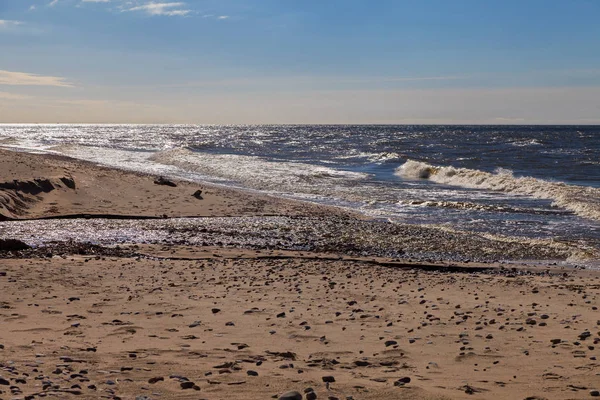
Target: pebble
584, 335
402, 381
187, 385
291, 396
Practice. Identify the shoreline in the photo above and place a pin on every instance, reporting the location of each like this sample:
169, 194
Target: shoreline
231, 305
70, 189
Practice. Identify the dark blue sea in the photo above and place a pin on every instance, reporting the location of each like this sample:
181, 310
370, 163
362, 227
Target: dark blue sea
516, 182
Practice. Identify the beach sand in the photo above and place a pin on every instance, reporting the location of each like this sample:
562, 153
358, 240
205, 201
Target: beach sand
207, 322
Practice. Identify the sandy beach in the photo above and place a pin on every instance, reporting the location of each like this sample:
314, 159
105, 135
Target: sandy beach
209, 321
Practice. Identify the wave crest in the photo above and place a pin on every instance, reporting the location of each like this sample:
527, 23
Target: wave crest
583, 201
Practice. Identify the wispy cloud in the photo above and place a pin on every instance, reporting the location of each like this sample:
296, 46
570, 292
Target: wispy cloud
147, 7
166, 9
13, 96
27, 79
8, 24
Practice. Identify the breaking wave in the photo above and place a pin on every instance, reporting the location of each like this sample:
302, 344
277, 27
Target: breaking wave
583, 201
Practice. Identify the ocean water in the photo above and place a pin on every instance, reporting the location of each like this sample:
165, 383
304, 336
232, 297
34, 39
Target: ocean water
528, 182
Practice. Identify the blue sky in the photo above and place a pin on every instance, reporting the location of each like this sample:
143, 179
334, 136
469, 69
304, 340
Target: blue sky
291, 61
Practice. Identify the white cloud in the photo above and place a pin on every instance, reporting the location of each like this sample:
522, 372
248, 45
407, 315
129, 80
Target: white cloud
52, 3
32, 7
95, 1
167, 9
27, 79
223, 17
7, 24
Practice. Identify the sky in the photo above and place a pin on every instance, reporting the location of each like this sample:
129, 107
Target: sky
300, 61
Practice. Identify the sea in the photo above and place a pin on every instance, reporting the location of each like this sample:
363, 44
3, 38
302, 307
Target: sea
523, 182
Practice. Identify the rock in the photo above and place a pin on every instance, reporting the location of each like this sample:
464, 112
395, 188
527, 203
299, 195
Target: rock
252, 373
13, 245
594, 393
584, 335
311, 396
281, 315
156, 379
4, 382
556, 341
402, 381
361, 363
328, 379
390, 343
187, 385
198, 194
291, 396
165, 182
215, 310
530, 321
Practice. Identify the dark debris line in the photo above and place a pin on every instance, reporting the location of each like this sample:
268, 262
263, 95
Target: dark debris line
339, 235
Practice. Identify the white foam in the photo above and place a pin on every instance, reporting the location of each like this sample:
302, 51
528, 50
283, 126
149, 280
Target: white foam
584, 201
525, 143
257, 172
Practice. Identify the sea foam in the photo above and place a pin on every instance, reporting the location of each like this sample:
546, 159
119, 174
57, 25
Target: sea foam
583, 201
257, 172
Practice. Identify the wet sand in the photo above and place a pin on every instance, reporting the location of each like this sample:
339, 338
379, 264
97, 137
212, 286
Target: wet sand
168, 321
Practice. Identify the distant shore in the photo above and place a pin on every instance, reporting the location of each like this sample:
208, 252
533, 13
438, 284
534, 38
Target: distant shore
362, 308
